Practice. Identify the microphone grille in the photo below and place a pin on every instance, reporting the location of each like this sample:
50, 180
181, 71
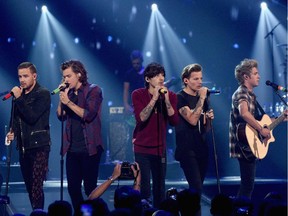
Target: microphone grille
268, 82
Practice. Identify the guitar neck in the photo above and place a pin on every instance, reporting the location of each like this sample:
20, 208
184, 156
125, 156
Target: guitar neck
277, 121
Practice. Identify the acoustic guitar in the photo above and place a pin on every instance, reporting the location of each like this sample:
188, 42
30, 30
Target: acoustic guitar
250, 140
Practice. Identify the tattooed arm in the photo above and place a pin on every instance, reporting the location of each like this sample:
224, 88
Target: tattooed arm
192, 116
170, 110
146, 112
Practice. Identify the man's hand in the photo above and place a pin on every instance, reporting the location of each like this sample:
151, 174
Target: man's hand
210, 114
9, 137
17, 91
117, 171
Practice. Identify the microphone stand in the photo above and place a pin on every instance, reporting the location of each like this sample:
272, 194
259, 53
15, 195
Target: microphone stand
272, 53
5, 200
62, 155
214, 149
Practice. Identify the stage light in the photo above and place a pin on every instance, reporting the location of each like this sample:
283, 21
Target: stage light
236, 46
76, 40
110, 103
134, 10
263, 5
109, 38
10, 40
98, 45
44, 9
148, 54
154, 7
52, 55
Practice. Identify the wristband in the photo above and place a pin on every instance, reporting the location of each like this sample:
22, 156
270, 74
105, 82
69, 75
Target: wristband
136, 184
111, 179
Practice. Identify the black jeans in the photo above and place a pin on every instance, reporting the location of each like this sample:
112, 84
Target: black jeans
247, 174
195, 169
157, 167
81, 167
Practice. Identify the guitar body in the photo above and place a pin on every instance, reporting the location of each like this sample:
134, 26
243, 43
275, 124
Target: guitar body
250, 138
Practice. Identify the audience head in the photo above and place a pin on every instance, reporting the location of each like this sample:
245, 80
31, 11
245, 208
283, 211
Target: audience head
188, 202
149, 211
60, 208
221, 205
272, 204
38, 212
162, 213
121, 212
97, 207
243, 206
127, 197
276, 208
170, 205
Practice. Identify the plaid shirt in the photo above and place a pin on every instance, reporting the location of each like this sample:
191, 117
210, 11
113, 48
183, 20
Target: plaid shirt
241, 94
90, 99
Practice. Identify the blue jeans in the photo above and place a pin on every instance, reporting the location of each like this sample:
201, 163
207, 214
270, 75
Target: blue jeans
155, 165
247, 175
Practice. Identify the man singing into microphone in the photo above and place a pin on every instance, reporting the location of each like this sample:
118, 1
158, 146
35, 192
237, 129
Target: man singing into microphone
30, 126
195, 116
154, 108
80, 105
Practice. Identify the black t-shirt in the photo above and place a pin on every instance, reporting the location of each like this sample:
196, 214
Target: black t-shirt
189, 138
77, 136
134, 79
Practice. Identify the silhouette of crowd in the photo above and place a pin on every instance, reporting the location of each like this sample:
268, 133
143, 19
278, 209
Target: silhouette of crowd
178, 202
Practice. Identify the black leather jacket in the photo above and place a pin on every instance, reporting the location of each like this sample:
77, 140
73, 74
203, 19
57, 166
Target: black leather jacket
31, 119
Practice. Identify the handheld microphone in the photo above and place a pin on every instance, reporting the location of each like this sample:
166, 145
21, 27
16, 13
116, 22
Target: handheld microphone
4, 93
7, 96
162, 91
213, 91
275, 86
61, 88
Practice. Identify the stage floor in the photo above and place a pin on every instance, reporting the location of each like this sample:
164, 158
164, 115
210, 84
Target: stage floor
19, 201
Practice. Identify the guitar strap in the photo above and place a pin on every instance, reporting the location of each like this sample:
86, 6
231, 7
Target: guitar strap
259, 108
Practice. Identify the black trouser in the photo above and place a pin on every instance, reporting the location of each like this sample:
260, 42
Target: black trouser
81, 167
157, 166
195, 169
247, 174
34, 167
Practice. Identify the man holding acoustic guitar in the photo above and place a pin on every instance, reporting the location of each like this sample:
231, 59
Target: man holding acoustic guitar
250, 129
